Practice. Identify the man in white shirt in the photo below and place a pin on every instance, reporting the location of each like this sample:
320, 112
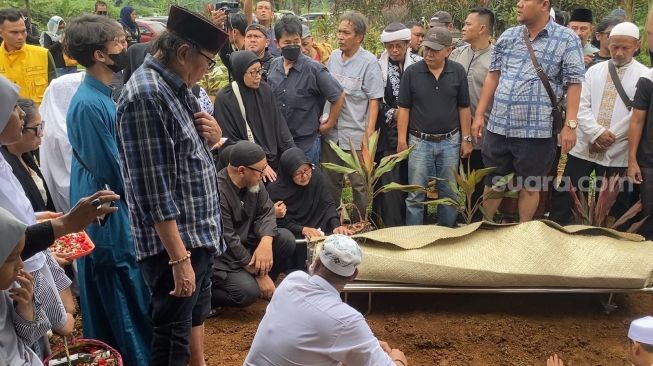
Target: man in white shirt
603, 119
307, 323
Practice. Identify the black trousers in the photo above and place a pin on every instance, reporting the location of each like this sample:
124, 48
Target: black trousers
239, 288
173, 317
577, 172
646, 191
389, 208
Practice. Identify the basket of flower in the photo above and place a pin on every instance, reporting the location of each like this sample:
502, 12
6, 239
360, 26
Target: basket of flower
84, 352
73, 246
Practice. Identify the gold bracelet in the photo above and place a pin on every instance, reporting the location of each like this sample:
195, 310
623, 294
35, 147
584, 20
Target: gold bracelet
184, 258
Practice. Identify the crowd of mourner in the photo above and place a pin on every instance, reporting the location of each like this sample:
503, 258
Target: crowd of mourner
199, 202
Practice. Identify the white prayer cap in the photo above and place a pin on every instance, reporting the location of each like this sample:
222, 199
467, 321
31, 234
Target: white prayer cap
8, 98
625, 29
641, 330
395, 32
341, 255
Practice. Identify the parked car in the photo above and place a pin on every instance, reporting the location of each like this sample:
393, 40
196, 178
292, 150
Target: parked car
311, 17
157, 18
149, 29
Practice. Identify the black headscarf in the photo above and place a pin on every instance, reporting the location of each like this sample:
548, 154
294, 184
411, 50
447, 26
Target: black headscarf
308, 206
264, 117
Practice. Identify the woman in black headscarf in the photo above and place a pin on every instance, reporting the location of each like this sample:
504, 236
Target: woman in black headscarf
310, 208
267, 125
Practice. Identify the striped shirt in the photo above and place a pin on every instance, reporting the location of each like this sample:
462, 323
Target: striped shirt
168, 169
522, 107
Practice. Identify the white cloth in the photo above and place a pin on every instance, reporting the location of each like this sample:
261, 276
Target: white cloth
55, 151
590, 103
307, 324
53, 30
8, 97
13, 352
399, 35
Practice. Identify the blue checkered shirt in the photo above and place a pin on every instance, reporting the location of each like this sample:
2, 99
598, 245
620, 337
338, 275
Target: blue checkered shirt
168, 169
522, 107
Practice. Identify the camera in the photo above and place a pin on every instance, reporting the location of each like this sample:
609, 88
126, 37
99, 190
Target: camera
227, 6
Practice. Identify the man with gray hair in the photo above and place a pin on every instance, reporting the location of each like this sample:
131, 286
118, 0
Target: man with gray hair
390, 207
311, 325
358, 71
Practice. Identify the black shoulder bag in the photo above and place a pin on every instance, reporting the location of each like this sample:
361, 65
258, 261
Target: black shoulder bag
617, 84
557, 111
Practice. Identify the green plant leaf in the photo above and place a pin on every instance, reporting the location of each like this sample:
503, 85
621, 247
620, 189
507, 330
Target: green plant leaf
338, 168
399, 187
503, 181
387, 163
632, 211
372, 144
440, 201
359, 165
482, 173
347, 158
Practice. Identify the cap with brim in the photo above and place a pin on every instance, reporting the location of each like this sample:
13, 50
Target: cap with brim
437, 38
306, 31
341, 255
625, 29
8, 98
641, 330
257, 27
441, 17
581, 15
196, 28
245, 153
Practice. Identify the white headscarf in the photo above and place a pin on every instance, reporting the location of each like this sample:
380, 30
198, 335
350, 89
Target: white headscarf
12, 196
12, 230
53, 29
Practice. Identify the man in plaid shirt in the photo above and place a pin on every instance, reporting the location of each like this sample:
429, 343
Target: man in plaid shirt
164, 141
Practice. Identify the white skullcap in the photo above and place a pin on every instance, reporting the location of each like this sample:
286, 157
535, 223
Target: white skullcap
625, 29
641, 330
395, 32
341, 255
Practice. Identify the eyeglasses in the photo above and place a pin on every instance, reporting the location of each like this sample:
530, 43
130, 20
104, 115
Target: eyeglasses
210, 60
255, 73
38, 129
306, 172
260, 171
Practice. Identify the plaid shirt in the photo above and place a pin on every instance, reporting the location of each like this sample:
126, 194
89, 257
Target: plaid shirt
522, 107
168, 170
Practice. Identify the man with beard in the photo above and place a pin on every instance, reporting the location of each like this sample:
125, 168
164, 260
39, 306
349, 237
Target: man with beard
390, 207
602, 144
257, 251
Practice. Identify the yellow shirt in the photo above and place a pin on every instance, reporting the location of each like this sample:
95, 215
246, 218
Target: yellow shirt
28, 68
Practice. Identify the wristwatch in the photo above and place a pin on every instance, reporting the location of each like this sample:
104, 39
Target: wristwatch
468, 138
572, 123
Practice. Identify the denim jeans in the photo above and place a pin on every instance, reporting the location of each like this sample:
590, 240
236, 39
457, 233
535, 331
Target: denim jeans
313, 153
173, 317
432, 160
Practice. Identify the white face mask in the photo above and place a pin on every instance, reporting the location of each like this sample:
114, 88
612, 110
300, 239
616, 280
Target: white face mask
254, 189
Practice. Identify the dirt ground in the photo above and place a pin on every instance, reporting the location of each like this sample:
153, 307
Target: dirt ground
470, 329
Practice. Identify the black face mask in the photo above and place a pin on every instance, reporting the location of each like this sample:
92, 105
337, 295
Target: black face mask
120, 61
292, 52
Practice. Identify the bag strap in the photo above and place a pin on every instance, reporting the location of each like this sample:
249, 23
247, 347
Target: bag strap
540, 70
239, 98
617, 84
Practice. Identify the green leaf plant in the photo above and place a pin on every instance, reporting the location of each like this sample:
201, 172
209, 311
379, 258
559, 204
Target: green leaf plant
364, 165
464, 187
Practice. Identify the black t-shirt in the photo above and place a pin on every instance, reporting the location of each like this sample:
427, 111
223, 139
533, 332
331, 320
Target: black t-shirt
644, 101
434, 103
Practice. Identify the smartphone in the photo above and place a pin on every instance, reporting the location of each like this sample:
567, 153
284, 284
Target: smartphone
105, 217
227, 6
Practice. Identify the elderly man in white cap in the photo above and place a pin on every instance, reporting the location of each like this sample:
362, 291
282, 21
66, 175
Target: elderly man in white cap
308, 324
603, 119
397, 57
